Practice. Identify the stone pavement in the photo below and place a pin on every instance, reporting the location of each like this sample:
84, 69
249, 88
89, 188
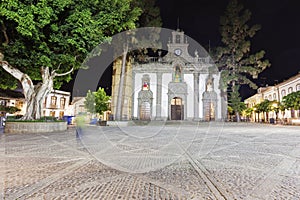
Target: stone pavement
180, 161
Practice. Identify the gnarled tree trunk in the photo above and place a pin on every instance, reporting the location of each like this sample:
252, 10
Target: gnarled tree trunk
34, 94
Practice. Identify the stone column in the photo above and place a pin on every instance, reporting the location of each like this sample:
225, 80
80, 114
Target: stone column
133, 92
196, 96
158, 96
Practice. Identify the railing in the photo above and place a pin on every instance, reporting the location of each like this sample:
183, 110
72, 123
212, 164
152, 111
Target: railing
53, 106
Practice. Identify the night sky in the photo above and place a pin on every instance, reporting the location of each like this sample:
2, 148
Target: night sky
279, 35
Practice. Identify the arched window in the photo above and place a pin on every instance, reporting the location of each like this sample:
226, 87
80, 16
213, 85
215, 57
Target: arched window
298, 87
62, 102
53, 100
146, 82
210, 84
283, 93
290, 90
274, 96
270, 97
177, 74
178, 39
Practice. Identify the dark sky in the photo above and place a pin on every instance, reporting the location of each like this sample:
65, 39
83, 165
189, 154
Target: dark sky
279, 35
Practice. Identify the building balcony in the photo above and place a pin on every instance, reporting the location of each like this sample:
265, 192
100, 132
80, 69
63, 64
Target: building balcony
53, 106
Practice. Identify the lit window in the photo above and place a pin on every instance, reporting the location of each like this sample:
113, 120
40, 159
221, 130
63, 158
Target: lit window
61, 114
53, 100
52, 113
62, 102
177, 75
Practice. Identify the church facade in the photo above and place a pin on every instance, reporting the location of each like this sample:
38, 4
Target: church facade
176, 86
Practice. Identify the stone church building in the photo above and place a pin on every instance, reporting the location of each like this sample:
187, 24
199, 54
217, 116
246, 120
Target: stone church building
176, 86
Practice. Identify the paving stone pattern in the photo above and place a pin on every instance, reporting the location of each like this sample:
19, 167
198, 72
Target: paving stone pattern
194, 161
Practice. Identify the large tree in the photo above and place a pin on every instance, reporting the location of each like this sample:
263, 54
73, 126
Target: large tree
292, 101
96, 102
238, 64
89, 103
44, 41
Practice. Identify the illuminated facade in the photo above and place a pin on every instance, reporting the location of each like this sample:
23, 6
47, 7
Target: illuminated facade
275, 93
176, 86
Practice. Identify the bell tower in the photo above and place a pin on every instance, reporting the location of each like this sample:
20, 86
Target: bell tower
178, 44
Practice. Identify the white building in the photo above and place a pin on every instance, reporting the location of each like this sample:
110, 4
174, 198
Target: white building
276, 93
12, 98
177, 86
77, 106
56, 104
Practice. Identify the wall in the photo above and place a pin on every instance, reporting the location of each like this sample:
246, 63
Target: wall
34, 127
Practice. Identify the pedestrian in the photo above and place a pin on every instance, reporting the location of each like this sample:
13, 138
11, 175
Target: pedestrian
79, 120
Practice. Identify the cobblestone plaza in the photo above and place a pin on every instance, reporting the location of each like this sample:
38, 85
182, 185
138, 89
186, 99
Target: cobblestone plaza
179, 161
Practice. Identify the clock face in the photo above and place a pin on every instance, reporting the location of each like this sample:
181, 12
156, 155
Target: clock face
177, 52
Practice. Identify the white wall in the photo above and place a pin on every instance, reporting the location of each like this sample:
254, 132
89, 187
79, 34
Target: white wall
202, 79
166, 78
218, 91
138, 87
189, 79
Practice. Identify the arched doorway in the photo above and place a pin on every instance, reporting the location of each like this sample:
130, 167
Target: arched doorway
145, 111
209, 110
177, 109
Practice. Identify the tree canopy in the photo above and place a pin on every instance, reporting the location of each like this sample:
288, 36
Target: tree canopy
89, 103
238, 64
101, 101
292, 101
96, 102
57, 34
42, 42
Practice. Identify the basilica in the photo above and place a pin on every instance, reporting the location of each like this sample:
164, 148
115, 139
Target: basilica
176, 86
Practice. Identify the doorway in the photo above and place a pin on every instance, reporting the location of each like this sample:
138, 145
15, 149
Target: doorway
145, 111
177, 109
209, 111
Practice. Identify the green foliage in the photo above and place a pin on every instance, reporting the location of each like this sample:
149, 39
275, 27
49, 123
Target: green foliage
264, 107
57, 33
96, 102
234, 59
230, 110
89, 102
248, 112
235, 101
150, 16
44, 119
292, 101
9, 109
101, 100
